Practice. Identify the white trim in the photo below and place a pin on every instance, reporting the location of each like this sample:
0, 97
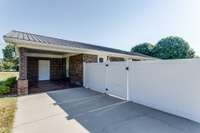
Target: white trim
68, 55
102, 56
53, 47
84, 84
43, 55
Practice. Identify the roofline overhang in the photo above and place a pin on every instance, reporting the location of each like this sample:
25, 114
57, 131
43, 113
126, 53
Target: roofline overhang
61, 48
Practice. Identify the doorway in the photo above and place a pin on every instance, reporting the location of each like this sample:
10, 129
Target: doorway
44, 70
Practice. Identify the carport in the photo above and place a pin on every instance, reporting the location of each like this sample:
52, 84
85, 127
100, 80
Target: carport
43, 58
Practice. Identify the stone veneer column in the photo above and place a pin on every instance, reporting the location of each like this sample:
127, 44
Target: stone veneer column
22, 84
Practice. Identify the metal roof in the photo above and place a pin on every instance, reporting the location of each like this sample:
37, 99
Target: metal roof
51, 40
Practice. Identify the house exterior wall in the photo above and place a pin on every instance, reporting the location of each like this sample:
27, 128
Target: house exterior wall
32, 67
76, 67
112, 59
57, 68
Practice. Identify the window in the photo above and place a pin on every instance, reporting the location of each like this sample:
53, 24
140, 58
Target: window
100, 59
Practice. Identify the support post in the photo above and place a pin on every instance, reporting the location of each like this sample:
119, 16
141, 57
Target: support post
22, 84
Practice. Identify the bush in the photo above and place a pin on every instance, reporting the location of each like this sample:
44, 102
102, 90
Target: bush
4, 89
10, 81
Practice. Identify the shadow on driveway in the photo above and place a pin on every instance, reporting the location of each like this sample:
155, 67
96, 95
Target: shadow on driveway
100, 113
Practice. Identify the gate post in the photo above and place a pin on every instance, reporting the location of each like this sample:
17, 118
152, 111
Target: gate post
127, 81
106, 72
84, 75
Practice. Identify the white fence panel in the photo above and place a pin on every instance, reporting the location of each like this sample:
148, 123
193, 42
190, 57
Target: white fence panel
116, 79
172, 86
94, 76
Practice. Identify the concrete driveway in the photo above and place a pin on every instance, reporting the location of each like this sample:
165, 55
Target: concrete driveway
80, 110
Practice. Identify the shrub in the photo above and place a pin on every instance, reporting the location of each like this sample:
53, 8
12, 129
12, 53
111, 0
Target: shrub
10, 81
4, 89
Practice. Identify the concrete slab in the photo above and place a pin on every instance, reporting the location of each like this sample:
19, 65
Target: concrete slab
71, 94
53, 124
143, 124
82, 110
35, 107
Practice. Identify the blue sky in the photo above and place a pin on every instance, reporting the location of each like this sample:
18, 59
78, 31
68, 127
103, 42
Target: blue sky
113, 23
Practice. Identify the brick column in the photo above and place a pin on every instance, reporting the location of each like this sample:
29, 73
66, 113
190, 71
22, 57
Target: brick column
22, 85
22, 64
76, 67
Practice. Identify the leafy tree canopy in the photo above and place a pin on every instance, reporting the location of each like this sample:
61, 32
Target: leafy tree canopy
10, 61
144, 48
167, 48
173, 48
9, 52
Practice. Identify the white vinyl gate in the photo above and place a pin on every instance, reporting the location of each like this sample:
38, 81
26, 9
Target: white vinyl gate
116, 79
107, 78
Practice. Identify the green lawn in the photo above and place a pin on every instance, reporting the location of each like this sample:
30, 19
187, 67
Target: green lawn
5, 75
7, 112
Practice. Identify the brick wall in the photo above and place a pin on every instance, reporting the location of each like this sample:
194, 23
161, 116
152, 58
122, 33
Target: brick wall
57, 68
32, 73
116, 59
89, 58
76, 67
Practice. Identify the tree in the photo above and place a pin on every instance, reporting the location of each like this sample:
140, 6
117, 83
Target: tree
9, 66
9, 52
10, 61
144, 48
1, 65
172, 48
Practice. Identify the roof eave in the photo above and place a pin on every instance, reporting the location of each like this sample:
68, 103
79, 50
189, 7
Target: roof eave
27, 44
